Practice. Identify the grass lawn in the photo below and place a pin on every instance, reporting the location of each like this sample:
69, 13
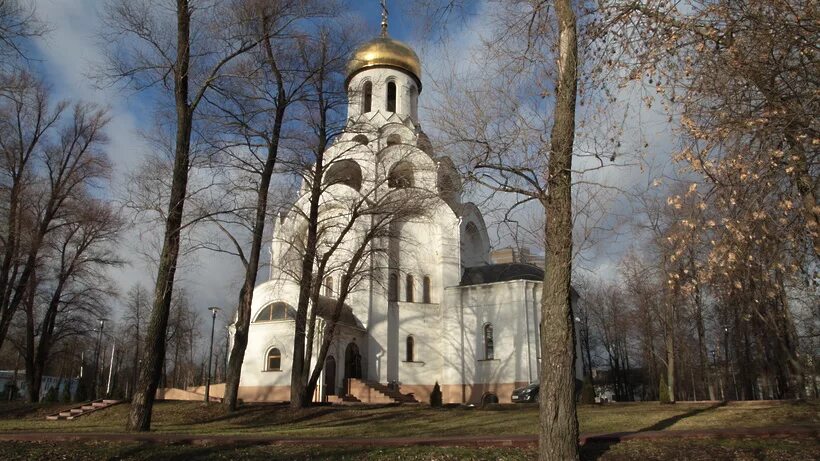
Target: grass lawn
327, 421
408, 420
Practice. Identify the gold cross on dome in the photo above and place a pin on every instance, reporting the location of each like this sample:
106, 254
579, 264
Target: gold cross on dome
384, 18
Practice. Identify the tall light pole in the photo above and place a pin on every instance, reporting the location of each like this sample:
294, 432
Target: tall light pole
213, 310
97, 359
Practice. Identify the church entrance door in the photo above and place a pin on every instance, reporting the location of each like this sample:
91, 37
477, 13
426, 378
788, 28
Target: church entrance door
353, 362
330, 376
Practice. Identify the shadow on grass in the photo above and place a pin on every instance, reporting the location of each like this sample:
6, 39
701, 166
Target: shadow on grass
238, 450
596, 449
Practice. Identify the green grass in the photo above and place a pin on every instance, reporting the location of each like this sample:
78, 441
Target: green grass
405, 421
688, 450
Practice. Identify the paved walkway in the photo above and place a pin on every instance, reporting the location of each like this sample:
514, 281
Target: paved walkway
803, 432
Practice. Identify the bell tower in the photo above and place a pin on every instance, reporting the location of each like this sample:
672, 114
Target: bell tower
384, 75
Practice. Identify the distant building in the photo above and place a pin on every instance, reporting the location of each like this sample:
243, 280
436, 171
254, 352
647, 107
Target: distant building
8, 376
515, 255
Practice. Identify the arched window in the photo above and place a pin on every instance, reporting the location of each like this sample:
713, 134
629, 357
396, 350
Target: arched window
328, 286
367, 97
425, 290
414, 100
391, 96
346, 172
489, 353
393, 139
400, 176
275, 311
409, 353
274, 362
393, 288
361, 139
408, 289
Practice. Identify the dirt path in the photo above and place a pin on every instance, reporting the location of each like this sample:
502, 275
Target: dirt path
802, 432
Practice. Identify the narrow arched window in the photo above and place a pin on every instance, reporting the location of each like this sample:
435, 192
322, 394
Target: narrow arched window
414, 98
408, 295
274, 361
393, 288
425, 293
410, 353
489, 353
391, 96
328, 286
367, 97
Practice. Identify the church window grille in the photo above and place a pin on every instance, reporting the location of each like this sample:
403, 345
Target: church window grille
274, 362
489, 351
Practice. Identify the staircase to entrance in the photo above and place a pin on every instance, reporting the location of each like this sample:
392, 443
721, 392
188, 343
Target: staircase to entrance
360, 391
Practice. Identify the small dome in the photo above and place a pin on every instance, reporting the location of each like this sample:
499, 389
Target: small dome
385, 52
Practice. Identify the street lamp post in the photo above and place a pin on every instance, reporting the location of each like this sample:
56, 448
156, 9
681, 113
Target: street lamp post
213, 310
97, 359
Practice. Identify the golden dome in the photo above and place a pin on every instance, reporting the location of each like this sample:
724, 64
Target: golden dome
385, 52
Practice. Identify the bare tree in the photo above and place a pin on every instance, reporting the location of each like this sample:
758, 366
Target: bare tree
134, 323
70, 282
149, 50
50, 159
17, 24
252, 109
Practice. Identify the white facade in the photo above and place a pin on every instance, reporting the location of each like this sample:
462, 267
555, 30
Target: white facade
472, 325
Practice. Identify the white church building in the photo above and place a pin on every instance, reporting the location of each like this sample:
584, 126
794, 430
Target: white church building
443, 313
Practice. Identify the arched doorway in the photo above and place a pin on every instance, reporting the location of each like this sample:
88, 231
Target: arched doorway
353, 362
330, 376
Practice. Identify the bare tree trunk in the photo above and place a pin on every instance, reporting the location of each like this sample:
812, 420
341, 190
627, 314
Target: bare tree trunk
234, 369
670, 363
298, 375
558, 422
142, 404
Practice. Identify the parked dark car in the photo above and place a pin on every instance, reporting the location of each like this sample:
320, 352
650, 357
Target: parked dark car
526, 394
530, 393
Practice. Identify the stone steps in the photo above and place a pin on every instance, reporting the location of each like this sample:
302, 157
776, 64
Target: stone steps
83, 409
367, 392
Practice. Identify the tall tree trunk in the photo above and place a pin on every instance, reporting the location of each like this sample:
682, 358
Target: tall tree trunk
32, 380
234, 369
558, 420
670, 362
298, 387
701, 330
139, 418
